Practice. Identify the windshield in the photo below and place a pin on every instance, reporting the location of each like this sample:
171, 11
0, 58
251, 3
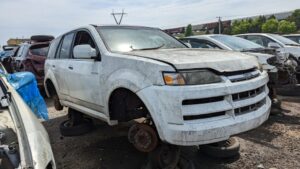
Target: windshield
125, 39
283, 40
236, 43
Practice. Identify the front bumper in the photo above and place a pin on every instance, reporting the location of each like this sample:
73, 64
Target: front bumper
214, 112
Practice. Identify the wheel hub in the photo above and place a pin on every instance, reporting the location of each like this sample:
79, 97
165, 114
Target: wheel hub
143, 137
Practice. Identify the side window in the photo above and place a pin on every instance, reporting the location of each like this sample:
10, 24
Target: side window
261, 40
20, 51
203, 44
84, 38
65, 48
256, 39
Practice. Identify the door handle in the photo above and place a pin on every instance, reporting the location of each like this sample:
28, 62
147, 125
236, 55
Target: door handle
70, 67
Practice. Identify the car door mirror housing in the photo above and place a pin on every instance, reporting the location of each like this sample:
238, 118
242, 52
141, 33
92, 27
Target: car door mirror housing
273, 45
84, 52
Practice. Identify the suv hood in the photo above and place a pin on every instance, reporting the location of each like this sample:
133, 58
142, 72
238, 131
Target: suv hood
219, 60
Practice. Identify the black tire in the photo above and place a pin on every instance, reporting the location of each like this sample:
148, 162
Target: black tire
165, 156
41, 38
224, 149
57, 104
66, 128
185, 162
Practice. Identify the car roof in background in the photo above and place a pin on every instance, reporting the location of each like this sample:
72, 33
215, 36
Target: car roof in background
292, 35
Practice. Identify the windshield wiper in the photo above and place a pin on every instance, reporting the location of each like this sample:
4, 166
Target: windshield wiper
293, 44
252, 49
152, 48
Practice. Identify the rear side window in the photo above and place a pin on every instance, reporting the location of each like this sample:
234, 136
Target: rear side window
65, 48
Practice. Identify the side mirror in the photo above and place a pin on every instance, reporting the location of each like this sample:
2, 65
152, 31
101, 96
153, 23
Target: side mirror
188, 44
84, 52
273, 45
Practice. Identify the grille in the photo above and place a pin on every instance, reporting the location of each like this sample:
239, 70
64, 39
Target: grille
248, 94
204, 116
243, 76
201, 101
252, 107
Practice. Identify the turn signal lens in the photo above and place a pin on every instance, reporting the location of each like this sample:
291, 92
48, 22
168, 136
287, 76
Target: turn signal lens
173, 79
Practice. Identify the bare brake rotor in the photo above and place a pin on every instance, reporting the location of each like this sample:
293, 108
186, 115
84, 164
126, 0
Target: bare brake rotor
143, 137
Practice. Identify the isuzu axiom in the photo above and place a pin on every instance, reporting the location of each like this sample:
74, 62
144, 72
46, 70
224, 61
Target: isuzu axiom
185, 96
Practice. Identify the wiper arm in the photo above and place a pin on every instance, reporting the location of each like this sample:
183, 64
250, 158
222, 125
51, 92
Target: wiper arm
153, 48
293, 44
252, 49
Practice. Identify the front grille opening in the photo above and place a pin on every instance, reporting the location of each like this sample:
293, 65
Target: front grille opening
247, 109
247, 94
203, 116
244, 75
204, 100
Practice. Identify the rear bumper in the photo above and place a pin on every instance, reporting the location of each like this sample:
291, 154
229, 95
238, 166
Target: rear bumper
214, 112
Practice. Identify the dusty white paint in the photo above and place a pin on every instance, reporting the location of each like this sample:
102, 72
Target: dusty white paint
87, 88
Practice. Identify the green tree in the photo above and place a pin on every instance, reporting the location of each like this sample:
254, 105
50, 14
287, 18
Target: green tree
272, 17
271, 26
285, 27
241, 26
256, 24
188, 31
227, 31
295, 17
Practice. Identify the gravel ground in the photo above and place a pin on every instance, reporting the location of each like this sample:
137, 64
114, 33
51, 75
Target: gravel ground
276, 144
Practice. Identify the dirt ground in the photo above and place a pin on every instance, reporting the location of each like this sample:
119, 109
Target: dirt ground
276, 144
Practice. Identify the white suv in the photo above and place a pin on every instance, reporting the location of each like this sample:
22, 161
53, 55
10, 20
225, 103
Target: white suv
121, 73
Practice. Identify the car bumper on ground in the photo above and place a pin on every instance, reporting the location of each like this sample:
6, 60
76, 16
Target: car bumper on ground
202, 114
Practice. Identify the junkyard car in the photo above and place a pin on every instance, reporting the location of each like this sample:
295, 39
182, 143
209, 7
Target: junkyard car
190, 96
283, 45
226, 42
293, 37
24, 142
5, 56
31, 57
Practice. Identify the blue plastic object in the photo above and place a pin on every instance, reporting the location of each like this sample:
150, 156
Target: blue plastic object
26, 85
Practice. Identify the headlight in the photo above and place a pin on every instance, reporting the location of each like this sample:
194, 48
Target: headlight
191, 78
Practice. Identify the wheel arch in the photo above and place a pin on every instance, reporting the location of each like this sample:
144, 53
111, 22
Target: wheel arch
134, 99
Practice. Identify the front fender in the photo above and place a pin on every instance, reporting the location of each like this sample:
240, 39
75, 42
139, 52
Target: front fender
125, 78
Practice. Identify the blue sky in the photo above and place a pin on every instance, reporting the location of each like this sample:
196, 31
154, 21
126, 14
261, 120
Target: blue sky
23, 18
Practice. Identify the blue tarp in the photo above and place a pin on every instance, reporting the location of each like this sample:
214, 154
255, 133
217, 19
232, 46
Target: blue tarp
26, 85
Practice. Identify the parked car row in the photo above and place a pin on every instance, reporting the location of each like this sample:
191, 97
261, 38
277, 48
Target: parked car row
185, 97
30, 56
270, 53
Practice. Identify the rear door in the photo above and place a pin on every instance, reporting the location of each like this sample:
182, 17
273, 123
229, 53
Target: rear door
84, 75
60, 64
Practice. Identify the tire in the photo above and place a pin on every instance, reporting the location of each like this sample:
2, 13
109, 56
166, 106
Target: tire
185, 162
224, 149
57, 104
41, 38
165, 156
66, 128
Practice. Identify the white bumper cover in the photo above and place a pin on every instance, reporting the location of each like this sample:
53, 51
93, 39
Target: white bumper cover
202, 114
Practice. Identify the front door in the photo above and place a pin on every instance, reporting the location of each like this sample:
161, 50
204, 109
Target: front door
83, 76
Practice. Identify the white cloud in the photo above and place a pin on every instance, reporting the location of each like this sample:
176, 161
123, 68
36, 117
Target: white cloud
23, 18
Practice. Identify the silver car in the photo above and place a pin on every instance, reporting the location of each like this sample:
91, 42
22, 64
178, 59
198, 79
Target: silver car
283, 45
